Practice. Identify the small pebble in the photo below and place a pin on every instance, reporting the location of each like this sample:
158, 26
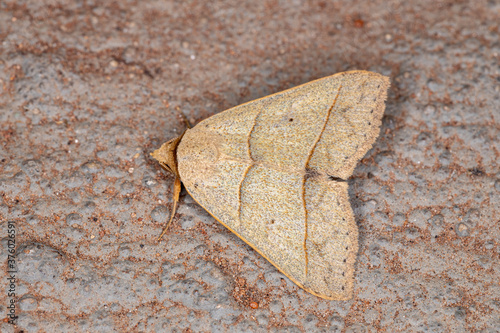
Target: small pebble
462, 230
74, 219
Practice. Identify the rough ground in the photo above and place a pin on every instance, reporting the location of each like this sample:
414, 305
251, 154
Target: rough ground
90, 88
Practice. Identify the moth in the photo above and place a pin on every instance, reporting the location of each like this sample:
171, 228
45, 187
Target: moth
274, 171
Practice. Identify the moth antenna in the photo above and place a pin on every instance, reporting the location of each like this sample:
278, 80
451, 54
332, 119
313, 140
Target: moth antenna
186, 121
177, 191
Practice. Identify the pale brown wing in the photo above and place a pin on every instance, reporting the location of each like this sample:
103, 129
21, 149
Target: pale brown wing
264, 169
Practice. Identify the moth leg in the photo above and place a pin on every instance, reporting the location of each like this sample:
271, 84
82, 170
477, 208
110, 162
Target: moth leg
177, 191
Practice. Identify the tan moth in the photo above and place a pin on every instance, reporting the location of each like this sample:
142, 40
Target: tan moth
274, 171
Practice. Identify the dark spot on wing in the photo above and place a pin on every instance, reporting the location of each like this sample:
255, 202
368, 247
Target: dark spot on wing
311, 173
336, 179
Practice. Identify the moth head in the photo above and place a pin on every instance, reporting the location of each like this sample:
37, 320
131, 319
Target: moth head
166, 155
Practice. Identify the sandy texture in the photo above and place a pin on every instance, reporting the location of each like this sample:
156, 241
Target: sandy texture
89, 89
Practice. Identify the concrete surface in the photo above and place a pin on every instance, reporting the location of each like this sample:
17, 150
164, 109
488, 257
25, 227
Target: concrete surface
90, 88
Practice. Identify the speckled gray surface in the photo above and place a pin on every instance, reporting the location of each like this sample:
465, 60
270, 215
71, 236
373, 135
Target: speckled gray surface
88, 90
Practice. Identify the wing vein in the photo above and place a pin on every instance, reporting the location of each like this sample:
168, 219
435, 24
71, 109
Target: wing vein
327, 118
